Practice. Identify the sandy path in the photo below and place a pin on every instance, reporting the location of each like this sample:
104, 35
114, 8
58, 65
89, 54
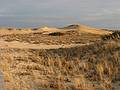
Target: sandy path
21, 45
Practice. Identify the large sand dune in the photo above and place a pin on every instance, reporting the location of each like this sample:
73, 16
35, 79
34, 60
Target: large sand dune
87, 29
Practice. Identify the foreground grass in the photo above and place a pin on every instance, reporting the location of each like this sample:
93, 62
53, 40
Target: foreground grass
93, 67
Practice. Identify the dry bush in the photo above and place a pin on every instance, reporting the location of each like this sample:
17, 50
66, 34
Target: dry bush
35, 29
10, 29
114, 36
56, 34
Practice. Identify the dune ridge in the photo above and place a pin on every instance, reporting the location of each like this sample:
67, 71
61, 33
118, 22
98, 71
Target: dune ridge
79, 27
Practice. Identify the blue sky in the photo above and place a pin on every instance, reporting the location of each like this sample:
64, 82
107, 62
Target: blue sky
58, 13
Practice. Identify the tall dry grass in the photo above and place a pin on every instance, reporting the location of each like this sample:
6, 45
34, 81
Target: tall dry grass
87, 67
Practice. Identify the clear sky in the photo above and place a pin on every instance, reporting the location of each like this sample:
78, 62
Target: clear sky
58, 13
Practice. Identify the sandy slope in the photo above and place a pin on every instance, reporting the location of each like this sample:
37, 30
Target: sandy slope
87, 29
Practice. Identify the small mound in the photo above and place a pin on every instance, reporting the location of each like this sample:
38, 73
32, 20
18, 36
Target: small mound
47, 29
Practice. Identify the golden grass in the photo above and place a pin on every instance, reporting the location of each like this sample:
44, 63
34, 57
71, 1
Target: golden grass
87, 67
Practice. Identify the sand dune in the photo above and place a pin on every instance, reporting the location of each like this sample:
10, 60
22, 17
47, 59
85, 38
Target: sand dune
87, 29
47, 30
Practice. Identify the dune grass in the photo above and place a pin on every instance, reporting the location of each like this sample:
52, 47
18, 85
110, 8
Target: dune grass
89, 67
